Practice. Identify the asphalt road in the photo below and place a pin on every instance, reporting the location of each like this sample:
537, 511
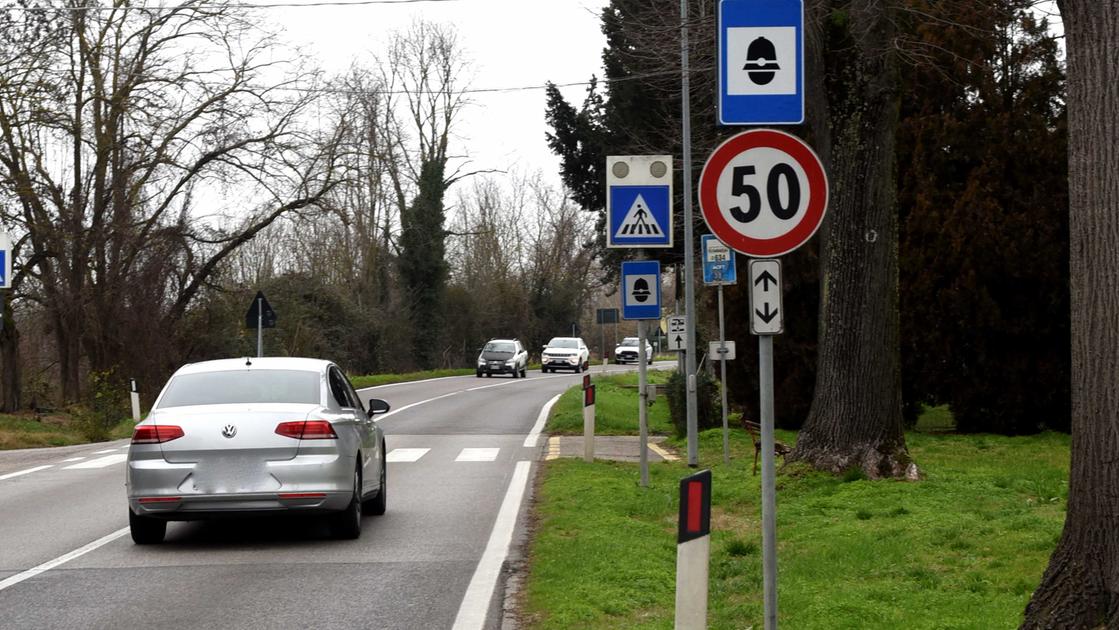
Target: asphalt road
461, 456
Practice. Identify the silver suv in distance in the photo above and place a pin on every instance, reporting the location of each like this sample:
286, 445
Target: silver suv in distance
253, 436
567, 353
502, 356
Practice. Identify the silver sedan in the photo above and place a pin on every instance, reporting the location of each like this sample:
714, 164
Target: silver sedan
251, 436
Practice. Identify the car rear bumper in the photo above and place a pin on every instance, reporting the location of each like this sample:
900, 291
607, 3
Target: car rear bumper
179, 491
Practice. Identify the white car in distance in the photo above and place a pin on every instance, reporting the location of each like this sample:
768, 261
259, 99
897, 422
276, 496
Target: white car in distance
626, 352
565, 353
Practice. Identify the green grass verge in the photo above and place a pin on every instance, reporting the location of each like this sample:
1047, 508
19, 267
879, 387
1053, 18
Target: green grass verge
615, 407
963, 548
372, 380
27, 431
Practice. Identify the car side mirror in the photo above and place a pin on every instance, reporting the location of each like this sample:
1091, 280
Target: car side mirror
377, 407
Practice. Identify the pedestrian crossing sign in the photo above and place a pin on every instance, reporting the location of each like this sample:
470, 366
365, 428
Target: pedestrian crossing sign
639, 201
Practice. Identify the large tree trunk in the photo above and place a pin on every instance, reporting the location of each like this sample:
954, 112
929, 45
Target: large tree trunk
1080, 589
9, 359
856, 419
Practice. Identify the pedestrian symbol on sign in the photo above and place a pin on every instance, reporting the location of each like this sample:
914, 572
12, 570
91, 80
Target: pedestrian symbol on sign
638, 221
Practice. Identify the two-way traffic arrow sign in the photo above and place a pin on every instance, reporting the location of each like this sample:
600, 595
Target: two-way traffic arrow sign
765, 297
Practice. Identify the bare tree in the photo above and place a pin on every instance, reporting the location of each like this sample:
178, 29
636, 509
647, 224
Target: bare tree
109, 133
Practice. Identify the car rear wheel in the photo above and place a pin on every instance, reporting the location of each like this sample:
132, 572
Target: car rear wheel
346, 525
146, 530
524, 372
379, 503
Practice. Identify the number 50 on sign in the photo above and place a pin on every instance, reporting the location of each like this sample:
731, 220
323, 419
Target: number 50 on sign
763, 192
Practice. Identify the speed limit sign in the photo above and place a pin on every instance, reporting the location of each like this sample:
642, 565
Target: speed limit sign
763, 192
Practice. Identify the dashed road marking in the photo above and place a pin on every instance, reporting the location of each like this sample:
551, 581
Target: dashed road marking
108, 450
477, 455
398, 455
100, 462
20, 473
50, 564
73, 459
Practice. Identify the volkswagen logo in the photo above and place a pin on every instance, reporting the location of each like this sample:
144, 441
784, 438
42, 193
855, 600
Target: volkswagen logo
229, 430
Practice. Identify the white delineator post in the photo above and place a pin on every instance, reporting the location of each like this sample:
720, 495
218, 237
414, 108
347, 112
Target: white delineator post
588, 420
134, 393
693, 551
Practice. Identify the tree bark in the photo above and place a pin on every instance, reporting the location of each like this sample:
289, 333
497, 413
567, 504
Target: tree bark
1080, 588
855, 419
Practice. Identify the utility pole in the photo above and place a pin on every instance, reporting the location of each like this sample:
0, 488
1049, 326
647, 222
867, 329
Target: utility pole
689, 244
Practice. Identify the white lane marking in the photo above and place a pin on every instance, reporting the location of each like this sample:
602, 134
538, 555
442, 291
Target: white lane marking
73, 459
50, 564
416, 404
405, 454
100, 462
20, 473
477, 455
474, 389
534, 434
108, 450
472, 612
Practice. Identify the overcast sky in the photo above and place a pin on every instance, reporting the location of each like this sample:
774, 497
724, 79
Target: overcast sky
509, 43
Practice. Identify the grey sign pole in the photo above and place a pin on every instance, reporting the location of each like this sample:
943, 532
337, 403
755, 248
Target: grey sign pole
689, 238
260, 327
723, 374
643, 401
769, 489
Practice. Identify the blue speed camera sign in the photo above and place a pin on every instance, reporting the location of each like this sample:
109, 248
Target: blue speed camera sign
761, 62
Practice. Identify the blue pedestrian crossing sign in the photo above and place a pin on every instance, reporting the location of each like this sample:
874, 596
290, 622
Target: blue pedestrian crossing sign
641, 289
639, 201
761, 62
718, 261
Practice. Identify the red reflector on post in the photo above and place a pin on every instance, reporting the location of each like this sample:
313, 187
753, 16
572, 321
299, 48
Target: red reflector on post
156, 433
588, 396
307, 430
586, 381
695, 507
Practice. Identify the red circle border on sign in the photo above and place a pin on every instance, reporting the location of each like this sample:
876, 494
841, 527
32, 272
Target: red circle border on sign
817, 189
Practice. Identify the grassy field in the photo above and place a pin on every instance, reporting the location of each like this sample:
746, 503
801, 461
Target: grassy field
29, 431
615, 407
963, 548
372, 380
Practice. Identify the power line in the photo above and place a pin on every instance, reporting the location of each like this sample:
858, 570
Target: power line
204, 5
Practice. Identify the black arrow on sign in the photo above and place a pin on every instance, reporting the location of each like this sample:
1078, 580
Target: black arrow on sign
765, 279
767, 316
679, 341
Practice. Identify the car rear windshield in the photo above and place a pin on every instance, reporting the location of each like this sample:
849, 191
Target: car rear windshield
563, 343
244, 387
498, 347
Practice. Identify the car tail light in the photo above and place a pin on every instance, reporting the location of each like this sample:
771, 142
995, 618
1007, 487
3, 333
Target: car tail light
156, 433
307, 430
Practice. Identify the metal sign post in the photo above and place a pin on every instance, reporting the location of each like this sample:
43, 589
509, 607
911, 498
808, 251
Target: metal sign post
689, 239
723, 377
641, 300
260, 326
719, 269
260, 316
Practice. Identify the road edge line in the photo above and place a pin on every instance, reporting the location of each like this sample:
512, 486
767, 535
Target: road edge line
50, 564
475, 604
534, 434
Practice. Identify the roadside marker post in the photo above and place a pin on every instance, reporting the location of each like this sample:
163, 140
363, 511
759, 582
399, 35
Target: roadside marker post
588, 422
134, 394
764, 193
693, 551
6, 280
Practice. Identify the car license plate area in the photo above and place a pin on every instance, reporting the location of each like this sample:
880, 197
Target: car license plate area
233, 475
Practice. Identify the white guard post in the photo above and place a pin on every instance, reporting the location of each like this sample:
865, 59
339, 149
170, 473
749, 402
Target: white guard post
693, 551
588, 420
134, 393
